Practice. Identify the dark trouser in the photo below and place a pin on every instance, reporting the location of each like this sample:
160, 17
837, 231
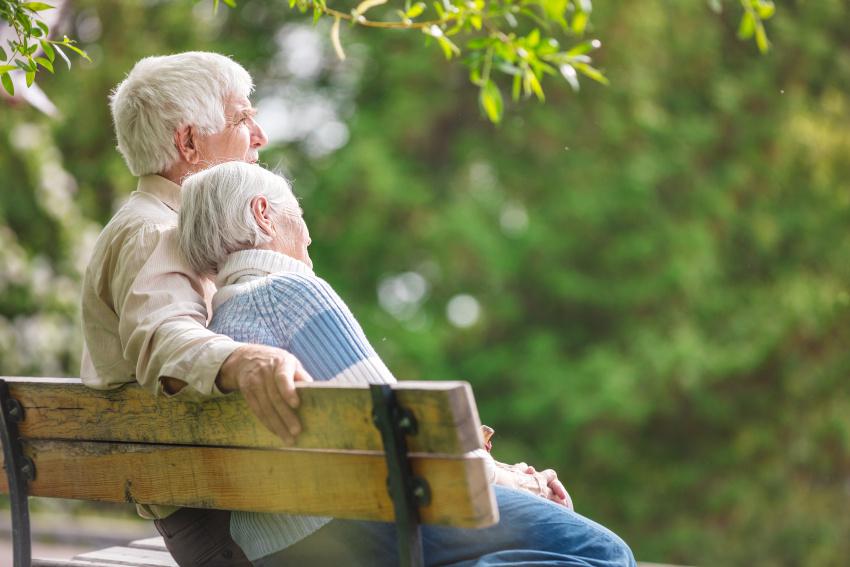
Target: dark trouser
201, 538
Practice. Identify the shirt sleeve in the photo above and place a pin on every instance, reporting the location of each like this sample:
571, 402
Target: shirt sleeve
162, 316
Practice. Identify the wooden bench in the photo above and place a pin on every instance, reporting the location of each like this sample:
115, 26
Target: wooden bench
392, 453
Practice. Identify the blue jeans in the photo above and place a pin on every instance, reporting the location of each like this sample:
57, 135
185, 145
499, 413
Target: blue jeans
532, 532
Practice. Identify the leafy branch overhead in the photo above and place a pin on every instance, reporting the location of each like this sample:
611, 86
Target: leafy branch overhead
30, 47
508, 45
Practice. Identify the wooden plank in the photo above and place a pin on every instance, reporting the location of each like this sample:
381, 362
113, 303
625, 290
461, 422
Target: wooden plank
323, 483
332, 416
36, 562
129, 556
156, 543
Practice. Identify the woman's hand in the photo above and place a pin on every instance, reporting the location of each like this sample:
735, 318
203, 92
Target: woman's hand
541, 483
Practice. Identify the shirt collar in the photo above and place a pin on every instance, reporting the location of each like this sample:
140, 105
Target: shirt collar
247, 265
163, 189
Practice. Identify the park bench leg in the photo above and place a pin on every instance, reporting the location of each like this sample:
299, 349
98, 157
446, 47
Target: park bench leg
407, 491
19, 470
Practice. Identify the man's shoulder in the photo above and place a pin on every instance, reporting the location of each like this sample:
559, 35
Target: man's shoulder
138, 217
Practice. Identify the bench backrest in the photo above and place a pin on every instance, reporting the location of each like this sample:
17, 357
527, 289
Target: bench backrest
125, 445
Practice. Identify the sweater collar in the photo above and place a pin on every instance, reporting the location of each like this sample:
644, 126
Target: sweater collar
247, 265
161, 188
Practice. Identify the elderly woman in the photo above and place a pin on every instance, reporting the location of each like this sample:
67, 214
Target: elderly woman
242, 225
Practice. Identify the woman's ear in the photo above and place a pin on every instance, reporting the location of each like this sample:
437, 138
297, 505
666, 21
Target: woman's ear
184, 140
262, 214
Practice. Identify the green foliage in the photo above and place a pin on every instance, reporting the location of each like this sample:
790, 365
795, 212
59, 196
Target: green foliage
660, 266
518, 40
32, 36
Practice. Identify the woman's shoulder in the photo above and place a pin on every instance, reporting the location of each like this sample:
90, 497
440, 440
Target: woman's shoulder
307, 290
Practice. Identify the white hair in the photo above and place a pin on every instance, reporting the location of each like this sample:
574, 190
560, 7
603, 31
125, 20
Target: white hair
216, 217
162, 94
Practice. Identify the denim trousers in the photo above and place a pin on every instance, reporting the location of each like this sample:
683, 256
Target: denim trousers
531, 532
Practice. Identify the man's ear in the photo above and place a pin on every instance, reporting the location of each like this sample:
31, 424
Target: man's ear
262, 214
184, 140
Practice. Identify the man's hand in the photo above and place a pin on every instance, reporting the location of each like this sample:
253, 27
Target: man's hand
266, 377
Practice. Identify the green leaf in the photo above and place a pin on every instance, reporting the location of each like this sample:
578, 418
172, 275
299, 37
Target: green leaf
580, 22
416, 10
48, 50
747, 27
3, 54
7, 84
449, 48
23, 65
591, 73
62, 55
517, 87
761, 38
766, 10
44, 62
533, 38
36, 6
490, 98
76, 50
533, 84
7, 68
30, 78
230, 3
44, 27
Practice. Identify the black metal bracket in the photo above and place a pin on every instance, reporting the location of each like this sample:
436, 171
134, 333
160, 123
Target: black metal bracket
19, 471
408, 492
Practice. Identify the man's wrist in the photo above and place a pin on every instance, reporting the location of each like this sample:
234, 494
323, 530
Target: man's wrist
225, 380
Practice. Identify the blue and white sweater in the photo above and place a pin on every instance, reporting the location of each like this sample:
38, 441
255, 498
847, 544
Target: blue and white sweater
269, 298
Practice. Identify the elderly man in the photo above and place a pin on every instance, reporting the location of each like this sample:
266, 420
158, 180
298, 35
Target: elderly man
242, 224
144, 310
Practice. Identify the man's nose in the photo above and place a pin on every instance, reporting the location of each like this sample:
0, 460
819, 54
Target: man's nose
258, 136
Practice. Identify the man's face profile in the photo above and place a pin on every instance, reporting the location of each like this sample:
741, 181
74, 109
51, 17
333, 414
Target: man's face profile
240, 140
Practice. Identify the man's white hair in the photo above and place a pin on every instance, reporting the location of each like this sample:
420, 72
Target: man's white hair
215, 215
162, 94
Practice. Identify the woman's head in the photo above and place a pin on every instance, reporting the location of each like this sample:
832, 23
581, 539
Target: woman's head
237, 206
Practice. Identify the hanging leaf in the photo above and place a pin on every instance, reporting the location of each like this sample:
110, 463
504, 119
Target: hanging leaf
37, 6
48, 50
490, 98
62, 55
44, 62
7, 84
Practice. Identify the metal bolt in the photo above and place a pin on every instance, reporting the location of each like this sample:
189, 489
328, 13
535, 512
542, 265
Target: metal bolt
14, 410
404, 422
419, 492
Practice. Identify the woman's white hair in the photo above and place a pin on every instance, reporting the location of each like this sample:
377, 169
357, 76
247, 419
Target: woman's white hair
161, 94
216, 217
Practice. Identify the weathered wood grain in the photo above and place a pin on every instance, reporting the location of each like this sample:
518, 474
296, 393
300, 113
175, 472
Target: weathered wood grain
118, 555
343, 485
332, 416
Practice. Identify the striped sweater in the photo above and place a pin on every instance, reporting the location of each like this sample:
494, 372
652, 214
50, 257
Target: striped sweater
268, 298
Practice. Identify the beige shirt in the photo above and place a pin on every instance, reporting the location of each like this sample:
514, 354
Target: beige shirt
144, 310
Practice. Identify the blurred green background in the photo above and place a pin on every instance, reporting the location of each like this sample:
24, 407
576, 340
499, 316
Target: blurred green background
646, 284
